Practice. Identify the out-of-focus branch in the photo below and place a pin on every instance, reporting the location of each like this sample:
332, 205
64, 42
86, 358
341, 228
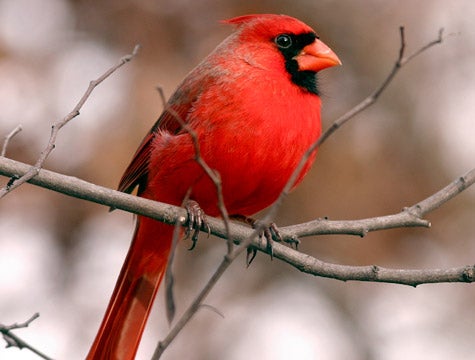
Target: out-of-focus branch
13, 340
57, 125
8, 137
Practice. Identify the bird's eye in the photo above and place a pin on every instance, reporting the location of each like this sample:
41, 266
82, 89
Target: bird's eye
283, 41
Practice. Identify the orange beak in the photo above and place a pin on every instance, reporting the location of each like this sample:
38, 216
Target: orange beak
316, 56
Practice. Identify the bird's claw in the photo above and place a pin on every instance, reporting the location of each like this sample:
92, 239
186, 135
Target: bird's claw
196, 222
269, 232
272, 233
251, 254
293, 241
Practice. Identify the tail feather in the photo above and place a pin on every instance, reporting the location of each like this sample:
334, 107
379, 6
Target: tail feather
131, 302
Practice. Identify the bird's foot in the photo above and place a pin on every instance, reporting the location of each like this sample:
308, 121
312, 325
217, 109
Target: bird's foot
269, 232
196, 222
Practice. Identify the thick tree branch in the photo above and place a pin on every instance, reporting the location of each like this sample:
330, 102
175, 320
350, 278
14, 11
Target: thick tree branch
410, 216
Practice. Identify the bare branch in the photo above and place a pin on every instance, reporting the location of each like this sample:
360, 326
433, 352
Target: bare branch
13, 340
375, 273
169, 214
81, 189
197, 302
424, 48
56, 127
441, 197
372, 273
8, 137
169, 278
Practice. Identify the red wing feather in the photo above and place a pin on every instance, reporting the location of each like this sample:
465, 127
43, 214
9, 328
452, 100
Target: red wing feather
137, 171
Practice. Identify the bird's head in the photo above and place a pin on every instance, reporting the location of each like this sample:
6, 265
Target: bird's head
298, 46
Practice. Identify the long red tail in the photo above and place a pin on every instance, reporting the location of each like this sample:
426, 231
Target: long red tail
131, 302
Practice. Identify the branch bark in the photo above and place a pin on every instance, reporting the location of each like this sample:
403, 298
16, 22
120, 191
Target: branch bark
409, 217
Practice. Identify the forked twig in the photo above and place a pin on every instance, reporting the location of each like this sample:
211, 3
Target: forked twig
13, 340
57, 125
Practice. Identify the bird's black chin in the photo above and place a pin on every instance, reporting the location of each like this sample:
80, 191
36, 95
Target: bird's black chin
305, 79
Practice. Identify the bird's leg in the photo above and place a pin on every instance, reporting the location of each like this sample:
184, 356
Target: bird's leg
270, 232
196, 222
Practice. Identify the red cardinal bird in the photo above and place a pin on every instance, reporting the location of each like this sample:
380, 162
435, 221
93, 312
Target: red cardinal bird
254, 106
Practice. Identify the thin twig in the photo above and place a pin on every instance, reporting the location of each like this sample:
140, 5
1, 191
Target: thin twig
401, 61
169, 278
193, 308
8, 137
13, 340
57, 125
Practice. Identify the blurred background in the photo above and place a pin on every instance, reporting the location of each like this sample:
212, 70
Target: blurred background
60, 256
